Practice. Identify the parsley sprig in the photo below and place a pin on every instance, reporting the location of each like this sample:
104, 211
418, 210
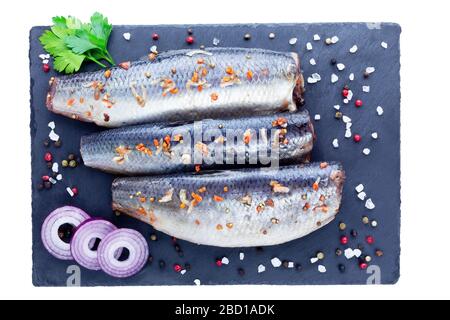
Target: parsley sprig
72, 42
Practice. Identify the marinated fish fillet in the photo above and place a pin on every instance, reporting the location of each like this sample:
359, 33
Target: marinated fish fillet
182, 85
206, 144
240, 208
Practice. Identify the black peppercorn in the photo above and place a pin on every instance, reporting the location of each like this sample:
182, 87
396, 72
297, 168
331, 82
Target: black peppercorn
341, 268
162, 264
333, 61
241, 272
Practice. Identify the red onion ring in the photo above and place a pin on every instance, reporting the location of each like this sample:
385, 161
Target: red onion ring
84, 238
119, 239
49, 231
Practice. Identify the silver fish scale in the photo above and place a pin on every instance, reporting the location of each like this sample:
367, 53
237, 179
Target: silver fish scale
163, 90
230, 221
100, 150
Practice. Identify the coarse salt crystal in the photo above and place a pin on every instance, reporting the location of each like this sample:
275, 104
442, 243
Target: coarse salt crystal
183, 271
366, 151
340, 66
271, 35
293, 41
154, 49
59, 177
345, 101
354, 49
55, 167
362, 195
42, 56
225, 260
348, 253
357, 253
309, 46
317, 117
127, 36
370, 70
316, 37
311, 80
217, 41
348, 125
380, 110
375, 135
316, 76
321, 268
366, 88
290, 265
334, 39
261, 268
384, 45
350, 95
337, 107
53, 181
53, 136
359, 188
241, 256
336, 143
351, 77
45, 61
348, 133
369, 204
276, 262
312, 61
52, 125
197, 282
334, 78
313, 260
70, 192
346, 119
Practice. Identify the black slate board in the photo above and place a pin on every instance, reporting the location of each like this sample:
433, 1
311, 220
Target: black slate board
379, 172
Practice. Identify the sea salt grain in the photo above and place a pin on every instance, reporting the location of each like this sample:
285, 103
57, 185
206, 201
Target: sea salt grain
183, 271
53, 136
346, 119
309, 46
217, 41
312, 61
293, 41
337, 107
271, 35
369, 204
348, 133
290, 265
197, 282
334, 40
350, 95
154, 49
313, 260
70, 192
225, 260
321, 268
51, 125
366, 88
384, 45
380, 110
370, 70
354, 49
362, 195
316, 37
375, 135
359, 187
59, 177
127, 36
241, 256
336, 143
55, 167
366, 151
334, 78
317, 117
348, 125
261, 268
276, 262
340, 66
45, 61
351, 77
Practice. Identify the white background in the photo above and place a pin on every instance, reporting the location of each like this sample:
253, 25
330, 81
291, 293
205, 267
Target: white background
425, 86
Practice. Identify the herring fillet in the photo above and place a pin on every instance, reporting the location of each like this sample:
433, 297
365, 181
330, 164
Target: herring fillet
239, 208
167, 148
182, 85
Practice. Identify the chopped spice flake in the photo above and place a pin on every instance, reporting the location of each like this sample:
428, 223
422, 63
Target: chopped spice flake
225, 189
229, 225
197, 198
214, 96
278, 188
197, 168
249, 75
323, 165
70, 102
269, 203
229, 70
202, 190
219, 227
217, 198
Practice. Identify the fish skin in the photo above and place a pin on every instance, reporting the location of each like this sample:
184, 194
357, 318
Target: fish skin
262, 82
235, 221
100, 149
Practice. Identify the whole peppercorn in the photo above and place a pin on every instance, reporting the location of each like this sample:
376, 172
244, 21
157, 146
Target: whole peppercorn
379, 253
58, 143
153, 237
155, 36
365, 220
177, 247
177, 268
298, 267
366, 75
342, 226
46, 143
190, 40
358, 103
247, 36
72, 163
40, 186
219, 262
45, 67
75, 191
320, 255
47, 185
241, 272
285, 264
48, 156
49, 165
187, 266
333, 61
341, 268
71, 156
150, 259
370, 240
162, 264
338, 115
357, 138
367, 259
345, 93
202, 47
259, 249
363, 265
338, 252
64, 163
344, 240
190, 31
181, 253
354, 233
